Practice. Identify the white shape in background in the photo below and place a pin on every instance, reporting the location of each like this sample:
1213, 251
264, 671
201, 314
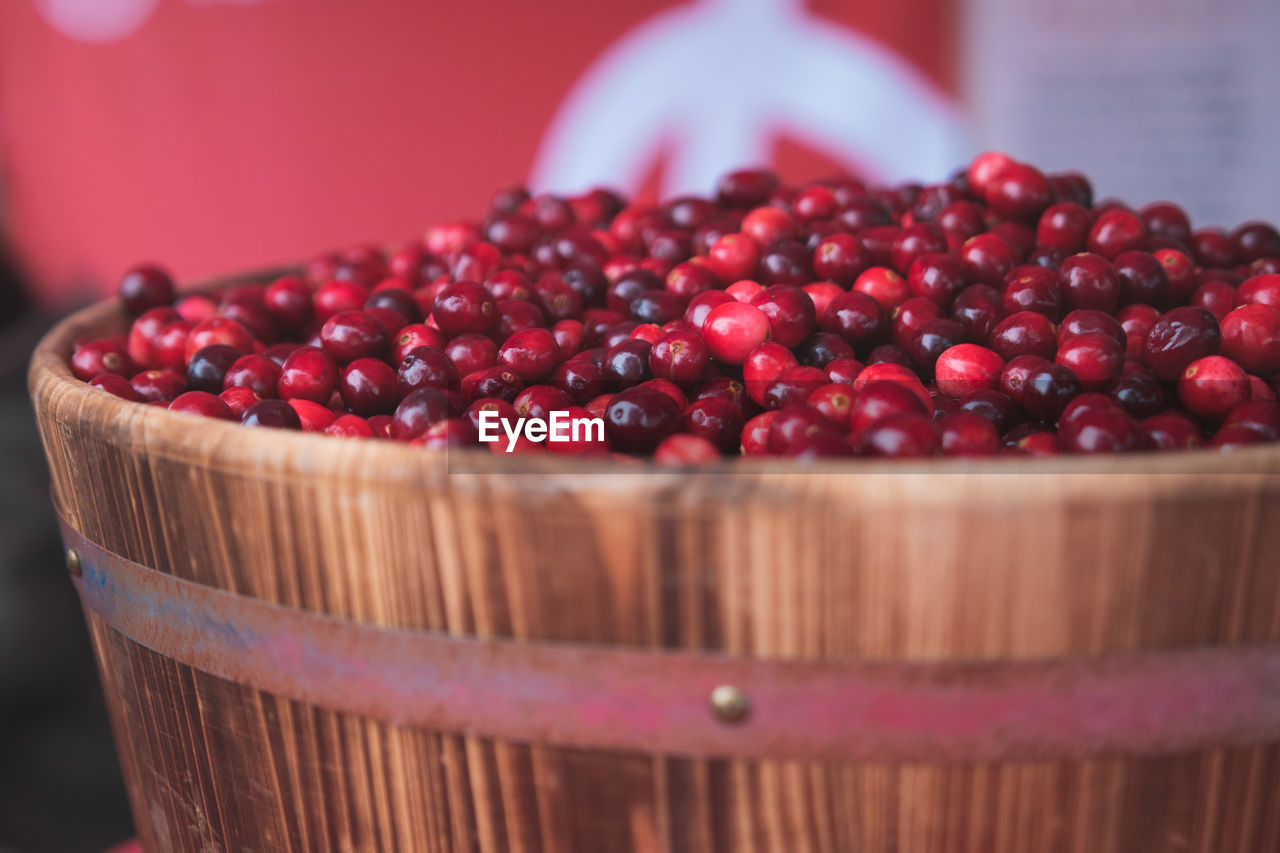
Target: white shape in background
96, 20
718, 80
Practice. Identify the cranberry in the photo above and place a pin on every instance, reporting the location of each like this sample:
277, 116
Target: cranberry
755, 434
217, 330
1036, 443
1094, 357
203, 403
936, 277
413, 336
1065, 227
626, 364
787, 262
1212, 248
986, 259
1137, 389
835, 401
894, 373
1251, 337
499, 382
790, 311
1254, 240
1116, 231
1018, 191
984, 168
335, 296
349, 335
1024, 333
967, 367
685, 449
1103, 431
143, 332
657, 306
823, 348
763, 364
1040, 386
1178, 338
107, 355
531, 353
880, 399
716, 420
746, 188
681, 357
793, 385
114, 384
472, 352
1164, 219
1142, 279
996, 406
967, 434
1090, 281
1087, 321
239, 399
1136, 321
1033, 288
727, 389
638, 419
144, 287
878, 244
514, 315
368, 387
1260, 290
1235, 435
313, 416
1212, 386
418, 411
425, 367
933, 338
840, 258
1262, 417
464, 307
857, 318
256, 372
153, 385
914, 241
978, 309
1180, 271
883, 285
1216, 297
899, 437
961, 220
276, 414
1172, 431
349, 426
732, 330
910, 316
580, 379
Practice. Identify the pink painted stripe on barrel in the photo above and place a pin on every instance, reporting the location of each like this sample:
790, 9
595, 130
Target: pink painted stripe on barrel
656, 701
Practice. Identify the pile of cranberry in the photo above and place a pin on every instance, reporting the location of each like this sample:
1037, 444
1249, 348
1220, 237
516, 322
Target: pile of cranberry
1000, 312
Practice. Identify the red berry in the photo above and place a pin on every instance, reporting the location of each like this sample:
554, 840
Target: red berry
733, 330
967, 367
883, 285
685, 449
145, 287
1018, 191
153, 385
638, 419
1251, 337
1178, 338
967, 434
1212, 386
256, 372
276, 414
899, 437
1095, 358
368, 387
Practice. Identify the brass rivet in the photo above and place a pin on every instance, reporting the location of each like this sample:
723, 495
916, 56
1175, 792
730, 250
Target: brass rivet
730, 704
73, 562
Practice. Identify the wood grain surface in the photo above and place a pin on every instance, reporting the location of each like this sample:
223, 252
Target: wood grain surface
849, 560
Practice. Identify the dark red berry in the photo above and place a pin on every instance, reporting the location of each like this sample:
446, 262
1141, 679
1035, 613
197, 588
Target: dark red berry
144, 287
276, 414
368, 387
255, 372
1178, 338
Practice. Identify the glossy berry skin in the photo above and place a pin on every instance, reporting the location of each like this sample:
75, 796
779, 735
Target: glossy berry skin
1251, 338
255, 372
791, 313
717, 420
115, 385
275, 414
289, 300
1095, 358
499, 382
967, 367
936, 277
1143, 279
899, 437
239, 399
793, 385
1138, 390
1261, 289
368, 387
1040, 386
978, 309
1090, 281
881, 399
1103, 431
1172, 431
153, 385
733, 330
145, 287
1178, 338
626, 364
1262, 417
464, 307
349, 335
1018, 191
1167, 220
915, 240
1065, 227
885, 286
472, 352
858, 319
313, 416
309, 373
733, 257
685, 449
967, 434
987, 259
1033, 288
1085, 321
840, 258
418, 411
996, 406
638, 419
1212, 386
1116, 232
579, 378
208, 368
835, 401
101, 356
204, 404
217, 330
680, 357
426, 367
1024, 333
532, 353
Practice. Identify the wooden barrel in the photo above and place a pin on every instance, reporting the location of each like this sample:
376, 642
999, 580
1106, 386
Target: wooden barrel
323, 645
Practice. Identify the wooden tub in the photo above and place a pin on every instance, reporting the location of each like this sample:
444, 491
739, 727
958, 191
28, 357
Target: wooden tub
323, 645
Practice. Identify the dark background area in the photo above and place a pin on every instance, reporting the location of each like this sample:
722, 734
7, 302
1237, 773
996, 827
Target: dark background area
60, 784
